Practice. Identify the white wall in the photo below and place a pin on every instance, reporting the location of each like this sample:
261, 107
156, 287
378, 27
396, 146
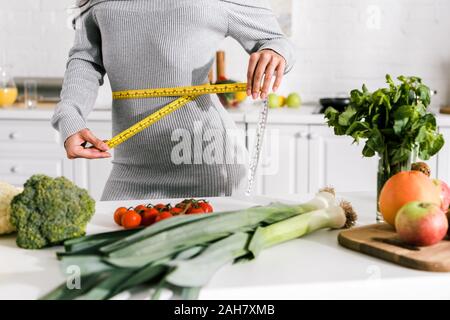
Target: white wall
35, 36
340, 43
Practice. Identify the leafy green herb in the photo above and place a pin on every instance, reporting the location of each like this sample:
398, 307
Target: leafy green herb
392, 121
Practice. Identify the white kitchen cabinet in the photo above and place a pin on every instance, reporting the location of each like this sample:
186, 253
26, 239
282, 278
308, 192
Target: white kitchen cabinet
28, 148
33, 147
16, 170
92, 175
28, 131
305, 158
334, 161
284, 160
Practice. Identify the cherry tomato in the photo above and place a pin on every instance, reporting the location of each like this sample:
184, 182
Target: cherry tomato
160, 206
149, 216
207, 208
195, 210
176, 211
181, 205
131, 219
163, 215
185, 202
140, 208
118, 215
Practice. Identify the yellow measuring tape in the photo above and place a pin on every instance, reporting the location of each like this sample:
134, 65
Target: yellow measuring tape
187, 95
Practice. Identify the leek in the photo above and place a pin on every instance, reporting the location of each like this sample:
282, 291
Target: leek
156, 228
225, 222
218, 226
87, 264
64, 293
336, 217
83, 242
198, 271
183, 253
104, 289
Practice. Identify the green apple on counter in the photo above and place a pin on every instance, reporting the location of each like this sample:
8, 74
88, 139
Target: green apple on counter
294, 100
273, 101
277, 101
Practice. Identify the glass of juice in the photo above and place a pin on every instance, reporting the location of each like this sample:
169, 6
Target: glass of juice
8, 89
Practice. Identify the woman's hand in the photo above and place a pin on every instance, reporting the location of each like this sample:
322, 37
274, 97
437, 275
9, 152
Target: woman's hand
76, 146
265, 63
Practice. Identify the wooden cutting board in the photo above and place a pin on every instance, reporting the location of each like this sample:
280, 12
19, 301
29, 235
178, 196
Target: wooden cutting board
381, 241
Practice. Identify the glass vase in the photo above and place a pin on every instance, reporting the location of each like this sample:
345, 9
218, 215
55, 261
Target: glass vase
387, 170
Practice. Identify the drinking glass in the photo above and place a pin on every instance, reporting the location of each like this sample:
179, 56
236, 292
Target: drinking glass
31, 94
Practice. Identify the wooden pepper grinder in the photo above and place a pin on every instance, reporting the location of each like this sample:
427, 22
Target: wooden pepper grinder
220, 65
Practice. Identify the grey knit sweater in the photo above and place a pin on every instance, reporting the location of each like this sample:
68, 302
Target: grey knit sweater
164, 43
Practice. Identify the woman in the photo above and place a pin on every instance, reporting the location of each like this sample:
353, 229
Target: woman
164, 43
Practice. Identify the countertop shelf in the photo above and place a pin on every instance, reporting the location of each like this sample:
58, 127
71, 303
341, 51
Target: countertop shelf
248, 113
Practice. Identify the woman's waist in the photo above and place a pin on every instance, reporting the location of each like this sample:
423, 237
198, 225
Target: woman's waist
138, 170
153, 104
206, 110
143, 77
183, 144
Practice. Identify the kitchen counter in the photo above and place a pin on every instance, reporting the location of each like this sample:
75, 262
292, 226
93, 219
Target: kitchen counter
248, 113
45, 113
313, 267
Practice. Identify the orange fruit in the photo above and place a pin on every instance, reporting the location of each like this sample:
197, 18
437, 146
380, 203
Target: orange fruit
405, 187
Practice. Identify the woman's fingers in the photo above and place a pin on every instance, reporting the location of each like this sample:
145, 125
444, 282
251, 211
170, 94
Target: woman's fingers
75, 146
254, 57
264, 64
268, 78
88, 136
279, 75
259, 73
90, 153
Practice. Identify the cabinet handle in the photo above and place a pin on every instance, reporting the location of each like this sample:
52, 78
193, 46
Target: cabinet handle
267, 163
301, 135
14, 169
313, 136
13, 135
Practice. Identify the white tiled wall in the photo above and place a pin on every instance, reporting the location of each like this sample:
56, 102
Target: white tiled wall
35, 36
341, 43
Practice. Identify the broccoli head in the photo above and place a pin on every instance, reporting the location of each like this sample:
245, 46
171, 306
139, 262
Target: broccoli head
49, 211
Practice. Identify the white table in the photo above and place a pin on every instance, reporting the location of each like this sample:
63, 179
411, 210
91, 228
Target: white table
308, 268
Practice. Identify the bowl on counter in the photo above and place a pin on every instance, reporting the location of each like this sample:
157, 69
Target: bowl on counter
337, 103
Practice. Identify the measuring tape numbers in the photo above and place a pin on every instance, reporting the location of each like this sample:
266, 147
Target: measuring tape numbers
186, 94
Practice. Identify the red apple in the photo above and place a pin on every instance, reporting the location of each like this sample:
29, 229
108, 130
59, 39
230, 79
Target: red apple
445, 194
421, 223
